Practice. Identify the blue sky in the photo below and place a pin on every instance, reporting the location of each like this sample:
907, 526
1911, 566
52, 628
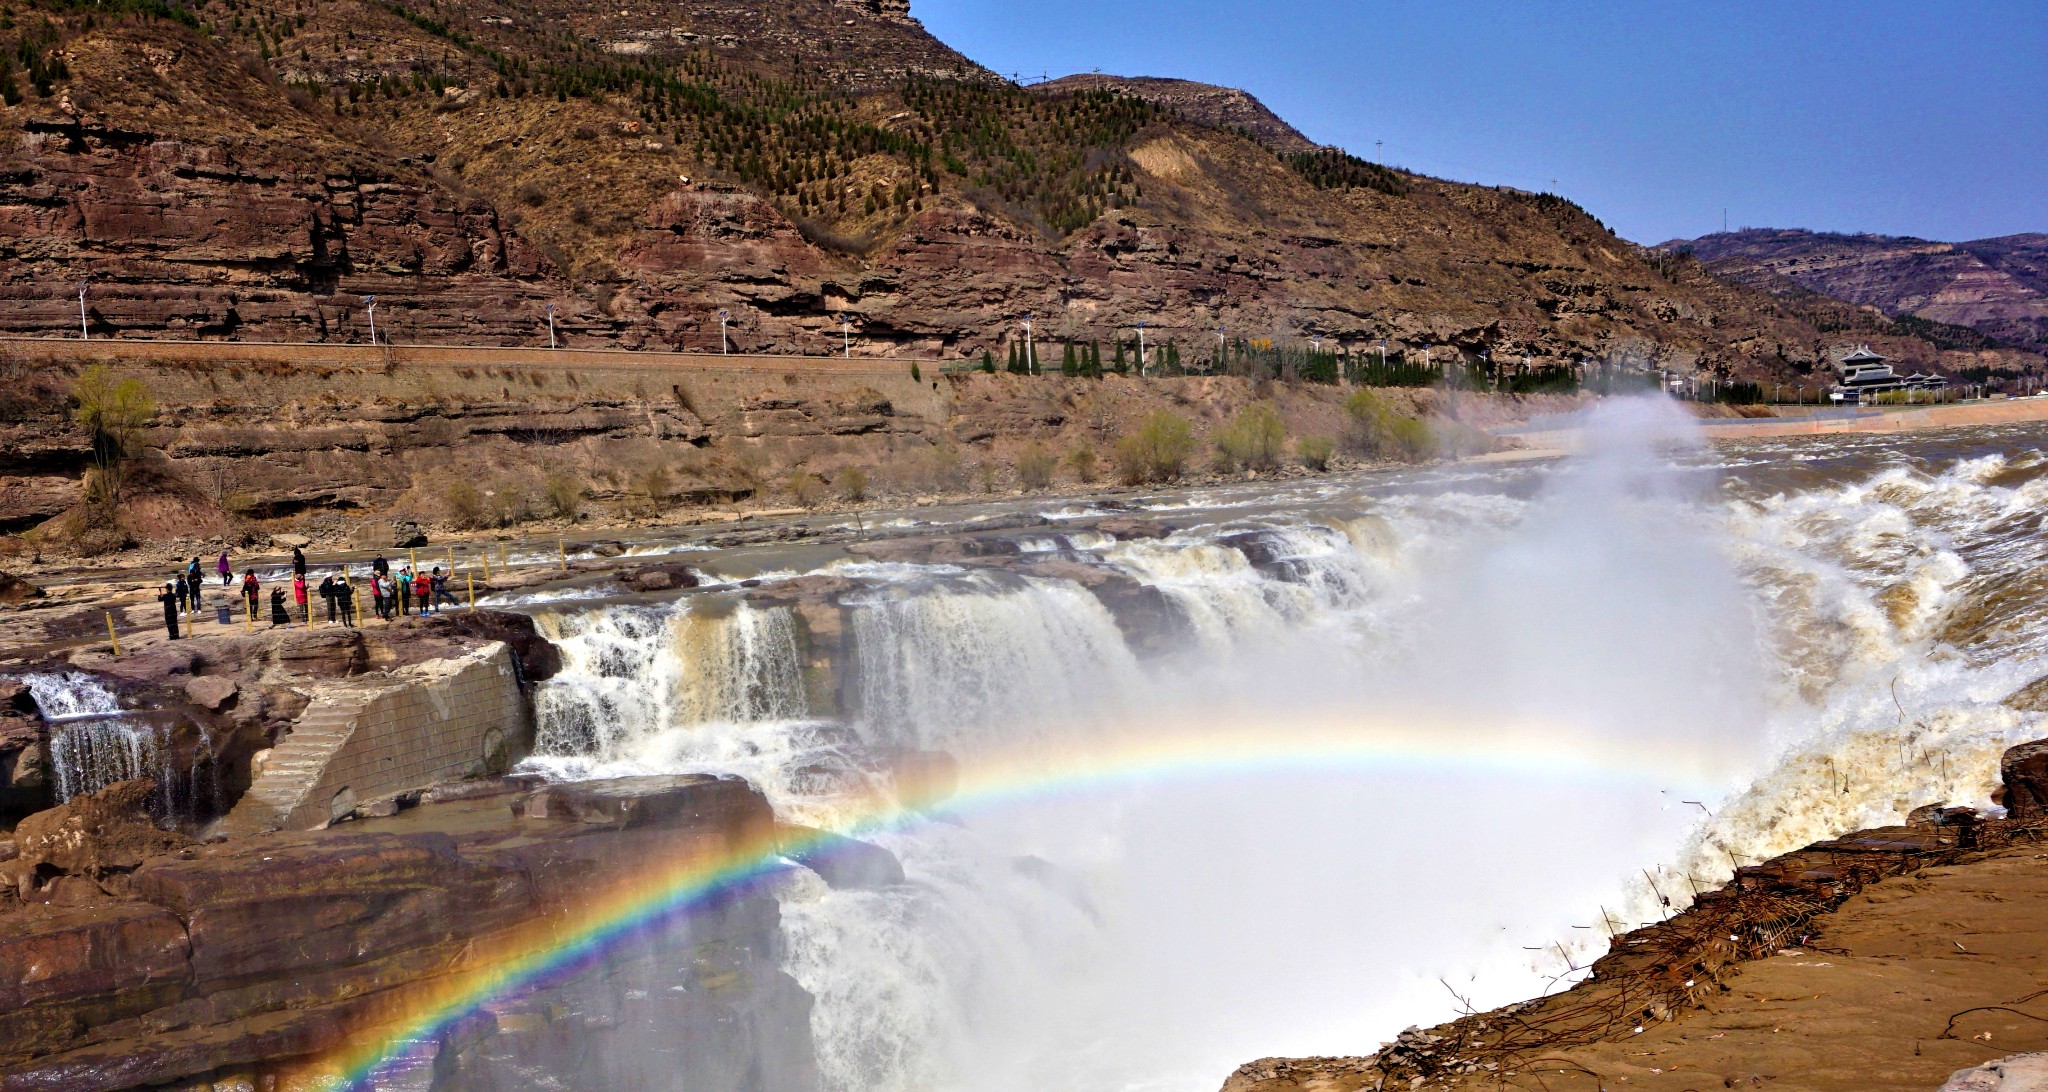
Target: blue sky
1926, 119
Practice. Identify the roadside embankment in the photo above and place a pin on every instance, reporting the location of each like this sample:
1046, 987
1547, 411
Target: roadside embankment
334, 442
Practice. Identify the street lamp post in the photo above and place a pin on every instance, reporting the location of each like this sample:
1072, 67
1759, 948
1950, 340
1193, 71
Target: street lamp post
724, 346
551, 326
846, 336
84, 328
1221, 346
370, 304
1141, 350
1030, 360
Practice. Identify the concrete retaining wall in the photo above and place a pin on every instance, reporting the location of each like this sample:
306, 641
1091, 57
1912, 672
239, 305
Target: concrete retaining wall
360, 740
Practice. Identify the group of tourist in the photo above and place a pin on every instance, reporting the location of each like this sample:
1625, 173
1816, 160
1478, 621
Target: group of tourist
391, 594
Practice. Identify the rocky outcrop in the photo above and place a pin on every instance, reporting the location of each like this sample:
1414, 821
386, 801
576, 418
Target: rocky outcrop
2023, 777
2015, 1073
1222, 107
94, 836
245, 961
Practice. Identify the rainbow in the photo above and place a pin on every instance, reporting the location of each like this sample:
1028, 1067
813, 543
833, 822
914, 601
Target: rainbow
562, 944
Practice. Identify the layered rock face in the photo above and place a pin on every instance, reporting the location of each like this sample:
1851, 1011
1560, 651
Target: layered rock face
247, 961
139, 212
203, 197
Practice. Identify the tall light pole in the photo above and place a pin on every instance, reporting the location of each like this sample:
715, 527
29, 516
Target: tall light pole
1141, 350
551, 326
1030, 361
84, 329
846, 336
1220, 346
370, 303
724, 346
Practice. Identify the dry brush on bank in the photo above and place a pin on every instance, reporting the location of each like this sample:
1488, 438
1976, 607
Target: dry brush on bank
331, 450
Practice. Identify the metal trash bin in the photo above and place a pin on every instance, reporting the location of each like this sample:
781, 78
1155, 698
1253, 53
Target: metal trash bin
224, 615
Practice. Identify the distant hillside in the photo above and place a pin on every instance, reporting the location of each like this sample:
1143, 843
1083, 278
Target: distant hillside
1222, 107
1998, 287
218, 169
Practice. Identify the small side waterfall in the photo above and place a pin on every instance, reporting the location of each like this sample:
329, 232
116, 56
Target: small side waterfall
95, 743
68, 695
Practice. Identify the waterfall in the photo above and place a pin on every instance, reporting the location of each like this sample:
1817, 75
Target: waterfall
1811, 647
95, 743
91, 754
632, 672
65, 695
946, 661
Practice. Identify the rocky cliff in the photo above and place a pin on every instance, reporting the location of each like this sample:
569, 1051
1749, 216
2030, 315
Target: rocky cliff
216, 173
1998, 287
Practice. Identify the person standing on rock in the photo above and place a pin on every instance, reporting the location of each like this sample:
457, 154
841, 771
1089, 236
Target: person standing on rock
227, 571
298, 563
327, 593
299, 595
441, 594
252, 590
194, 583
380, 567
345, 595
184, 597
169, 598
278, 615
423, 590
404, 591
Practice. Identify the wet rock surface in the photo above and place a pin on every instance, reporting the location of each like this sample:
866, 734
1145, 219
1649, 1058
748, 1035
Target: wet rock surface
249, 958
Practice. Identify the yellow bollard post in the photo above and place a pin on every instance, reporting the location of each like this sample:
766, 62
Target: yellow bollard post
111, 639
415, 556
249, 623
451, 560
485, 555
562, 545
472, 589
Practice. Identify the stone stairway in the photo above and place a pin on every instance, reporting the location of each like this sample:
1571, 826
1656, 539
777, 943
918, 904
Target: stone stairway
377, 735
295, 765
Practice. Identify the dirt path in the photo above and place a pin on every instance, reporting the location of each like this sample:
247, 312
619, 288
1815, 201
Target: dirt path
1866, 1005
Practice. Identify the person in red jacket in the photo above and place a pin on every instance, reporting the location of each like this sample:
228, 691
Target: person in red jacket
299, 596
252, 590
423, 590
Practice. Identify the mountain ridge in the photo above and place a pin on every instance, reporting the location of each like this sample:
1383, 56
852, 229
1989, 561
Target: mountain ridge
231, 170
1997, 286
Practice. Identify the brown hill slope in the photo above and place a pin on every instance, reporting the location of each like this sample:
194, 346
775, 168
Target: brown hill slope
239, 170
1998, 287
1221, 107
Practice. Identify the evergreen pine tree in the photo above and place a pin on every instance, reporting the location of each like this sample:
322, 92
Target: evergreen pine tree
1068, 364
1032, 351
1117, 365
988, 362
